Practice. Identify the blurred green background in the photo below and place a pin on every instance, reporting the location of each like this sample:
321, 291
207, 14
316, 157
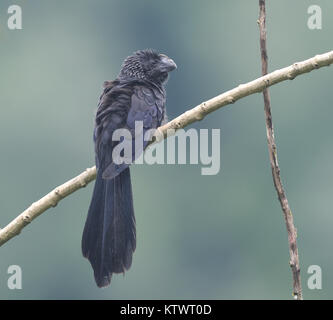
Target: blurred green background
199, 237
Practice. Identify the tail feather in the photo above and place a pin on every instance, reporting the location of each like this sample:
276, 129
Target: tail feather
109, 238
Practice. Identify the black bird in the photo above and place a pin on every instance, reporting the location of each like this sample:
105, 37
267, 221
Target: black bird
137, 94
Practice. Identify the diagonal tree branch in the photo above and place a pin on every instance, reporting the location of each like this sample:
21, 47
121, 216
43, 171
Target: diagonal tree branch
48, 201
190, 116
293, 251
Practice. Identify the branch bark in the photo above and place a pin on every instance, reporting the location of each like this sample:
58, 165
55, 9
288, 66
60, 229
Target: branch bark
291, 230
190, 116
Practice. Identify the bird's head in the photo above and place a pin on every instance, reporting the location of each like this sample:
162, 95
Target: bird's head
147, 65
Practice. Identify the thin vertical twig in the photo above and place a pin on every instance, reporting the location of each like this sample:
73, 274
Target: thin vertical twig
293, 251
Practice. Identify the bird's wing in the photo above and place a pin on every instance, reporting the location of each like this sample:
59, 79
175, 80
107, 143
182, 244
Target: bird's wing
111, 115
138, 110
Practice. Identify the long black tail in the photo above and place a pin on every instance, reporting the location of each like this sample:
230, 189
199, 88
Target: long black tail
109, 239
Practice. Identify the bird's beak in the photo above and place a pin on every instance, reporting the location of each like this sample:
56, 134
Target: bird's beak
168, 64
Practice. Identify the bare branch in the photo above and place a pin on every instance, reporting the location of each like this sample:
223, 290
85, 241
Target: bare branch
190, 116
48, 201
293, 251
244, 90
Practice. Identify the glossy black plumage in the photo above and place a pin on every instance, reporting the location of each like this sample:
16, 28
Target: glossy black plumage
137, 94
